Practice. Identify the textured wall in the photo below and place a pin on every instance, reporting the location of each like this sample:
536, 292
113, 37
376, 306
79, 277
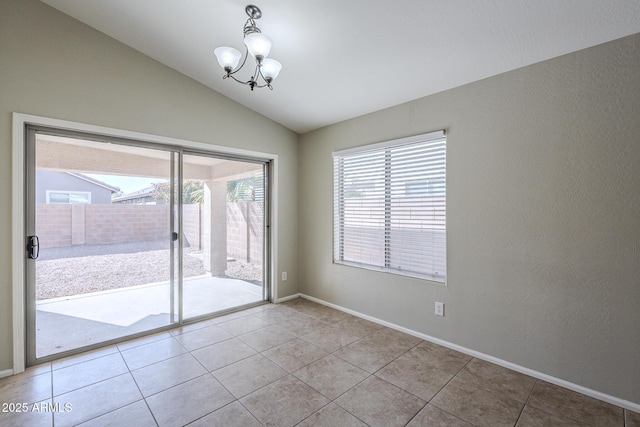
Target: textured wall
245, 231
191, 220
51, 65
543, 218
107, 224
53, 225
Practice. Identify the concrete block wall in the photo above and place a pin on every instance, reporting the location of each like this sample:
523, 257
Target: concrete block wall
107, 224
53, 225
67, 225
245, 231
192, 225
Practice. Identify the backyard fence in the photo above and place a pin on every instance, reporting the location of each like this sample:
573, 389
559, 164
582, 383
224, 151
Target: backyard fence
60, 225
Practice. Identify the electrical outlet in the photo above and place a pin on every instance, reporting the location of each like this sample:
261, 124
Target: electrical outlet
439, 309
284, 276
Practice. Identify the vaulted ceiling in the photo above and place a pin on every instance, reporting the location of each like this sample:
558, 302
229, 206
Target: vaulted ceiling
345, 58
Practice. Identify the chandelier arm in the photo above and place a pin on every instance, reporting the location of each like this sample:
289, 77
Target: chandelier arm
259, 73
234, 78
265, 80
256, 73
264, 85
246, 54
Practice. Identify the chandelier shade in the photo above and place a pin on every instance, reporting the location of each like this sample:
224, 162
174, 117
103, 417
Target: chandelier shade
258, 46
270, 69
228, 57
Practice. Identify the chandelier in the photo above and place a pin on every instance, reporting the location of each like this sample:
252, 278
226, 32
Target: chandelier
256, 44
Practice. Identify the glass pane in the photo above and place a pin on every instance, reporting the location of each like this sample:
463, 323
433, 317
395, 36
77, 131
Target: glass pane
61, 198
104, 266
223, 224
79, 198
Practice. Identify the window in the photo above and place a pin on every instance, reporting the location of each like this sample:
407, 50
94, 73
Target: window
416, 188
68, 197
389, 206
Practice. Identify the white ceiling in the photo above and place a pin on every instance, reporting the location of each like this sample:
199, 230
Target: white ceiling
345, 58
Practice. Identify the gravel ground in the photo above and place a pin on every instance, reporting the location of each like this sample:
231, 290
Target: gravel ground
72, 271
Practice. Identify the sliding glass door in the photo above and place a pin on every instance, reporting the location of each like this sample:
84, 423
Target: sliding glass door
127, 237
100, 241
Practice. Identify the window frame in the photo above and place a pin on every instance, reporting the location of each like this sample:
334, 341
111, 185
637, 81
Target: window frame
68, 193
338, 202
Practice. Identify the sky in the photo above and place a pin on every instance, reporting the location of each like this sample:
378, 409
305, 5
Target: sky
128, 184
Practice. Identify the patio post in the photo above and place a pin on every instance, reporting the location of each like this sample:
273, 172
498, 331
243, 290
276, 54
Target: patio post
214, 223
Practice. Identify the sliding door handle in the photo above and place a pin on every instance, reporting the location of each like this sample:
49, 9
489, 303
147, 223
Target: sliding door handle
33, 247
174, 236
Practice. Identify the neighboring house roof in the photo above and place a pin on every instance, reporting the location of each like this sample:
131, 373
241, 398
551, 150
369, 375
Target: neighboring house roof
145, 192
95, 181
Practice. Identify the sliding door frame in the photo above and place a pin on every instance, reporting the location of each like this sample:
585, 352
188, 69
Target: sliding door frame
175, 251
267, 279
19, 206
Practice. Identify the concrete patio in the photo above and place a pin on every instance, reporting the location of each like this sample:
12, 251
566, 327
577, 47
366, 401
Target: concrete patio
68, 323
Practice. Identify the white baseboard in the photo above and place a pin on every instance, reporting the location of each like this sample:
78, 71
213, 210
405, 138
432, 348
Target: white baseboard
635, 407
6, 373
287, 298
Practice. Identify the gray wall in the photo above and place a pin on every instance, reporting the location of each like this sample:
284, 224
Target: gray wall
51, 65
61, 181
543, 211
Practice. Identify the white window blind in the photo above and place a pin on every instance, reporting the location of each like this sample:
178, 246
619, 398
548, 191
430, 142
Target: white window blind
389, 203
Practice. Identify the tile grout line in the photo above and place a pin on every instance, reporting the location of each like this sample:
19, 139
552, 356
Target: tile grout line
90, 384
400, 388
120, 407
444, 386
53, 418
249, 411
369, 375
315, 412
138, 386
218, 381
345, 392
526, 402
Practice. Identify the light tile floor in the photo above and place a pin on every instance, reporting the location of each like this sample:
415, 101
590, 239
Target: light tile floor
296, 363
